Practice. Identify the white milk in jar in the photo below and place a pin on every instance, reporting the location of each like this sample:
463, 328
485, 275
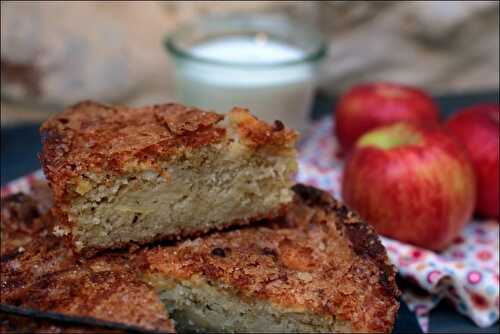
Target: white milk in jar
273, 77
283, 92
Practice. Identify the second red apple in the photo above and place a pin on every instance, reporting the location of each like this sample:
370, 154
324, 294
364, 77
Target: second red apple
367, 106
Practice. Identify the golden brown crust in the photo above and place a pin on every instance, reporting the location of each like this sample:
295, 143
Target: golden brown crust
321, 259
22, 218
18, 214
364, 239
45, 275
258, 134
90, 136
181, 120
109, 295
49, 279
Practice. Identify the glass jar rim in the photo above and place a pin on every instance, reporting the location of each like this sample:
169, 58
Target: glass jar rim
315, 54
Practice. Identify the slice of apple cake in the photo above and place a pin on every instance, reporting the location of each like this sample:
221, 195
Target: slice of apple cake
124, 175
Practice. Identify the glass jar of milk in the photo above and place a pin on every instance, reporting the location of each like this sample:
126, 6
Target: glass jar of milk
265, 63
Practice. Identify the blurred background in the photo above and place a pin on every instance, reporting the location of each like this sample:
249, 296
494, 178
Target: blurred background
56, 53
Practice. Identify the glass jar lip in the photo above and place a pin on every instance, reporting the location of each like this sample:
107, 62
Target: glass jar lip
314, 55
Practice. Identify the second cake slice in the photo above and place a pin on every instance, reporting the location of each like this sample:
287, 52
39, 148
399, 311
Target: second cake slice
133, 175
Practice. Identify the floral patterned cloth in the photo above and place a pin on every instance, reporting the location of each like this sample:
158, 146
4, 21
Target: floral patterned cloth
466, 273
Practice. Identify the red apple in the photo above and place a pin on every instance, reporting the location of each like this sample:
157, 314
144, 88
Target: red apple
477, 127
412, 183
367, 106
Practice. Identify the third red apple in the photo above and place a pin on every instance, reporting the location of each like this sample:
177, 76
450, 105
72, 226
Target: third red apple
477, 127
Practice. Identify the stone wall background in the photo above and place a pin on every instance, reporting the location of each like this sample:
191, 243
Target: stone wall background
55, 53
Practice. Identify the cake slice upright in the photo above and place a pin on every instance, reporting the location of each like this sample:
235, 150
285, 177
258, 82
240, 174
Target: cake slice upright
124, 175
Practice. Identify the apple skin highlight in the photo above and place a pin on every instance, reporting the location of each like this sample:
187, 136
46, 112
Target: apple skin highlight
369, 105
477, 127
420, 189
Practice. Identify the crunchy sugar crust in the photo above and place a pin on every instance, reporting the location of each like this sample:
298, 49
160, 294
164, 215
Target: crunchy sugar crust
321, 258
38, 271
91, 136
